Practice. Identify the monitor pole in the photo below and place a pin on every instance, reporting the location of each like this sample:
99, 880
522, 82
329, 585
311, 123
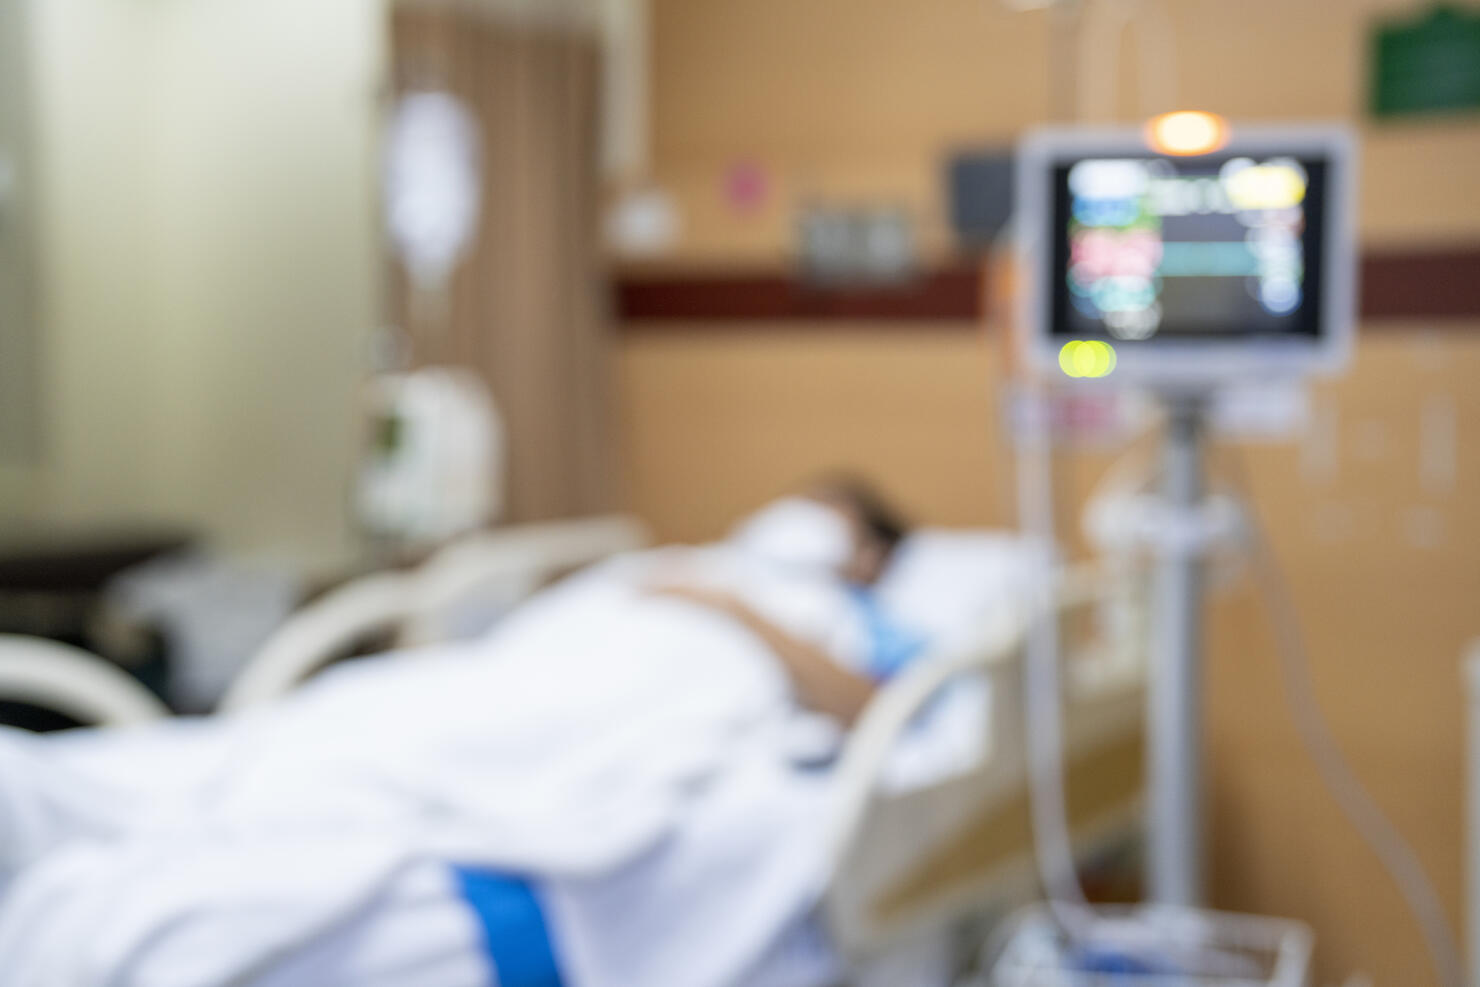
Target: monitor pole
1174, 854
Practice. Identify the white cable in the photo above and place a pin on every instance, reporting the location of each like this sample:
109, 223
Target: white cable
1052, 842
1396, 855
1053, 847
1102, 29
1052, 839
1138, 934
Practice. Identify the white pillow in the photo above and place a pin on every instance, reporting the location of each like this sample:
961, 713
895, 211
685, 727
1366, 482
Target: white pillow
945, 583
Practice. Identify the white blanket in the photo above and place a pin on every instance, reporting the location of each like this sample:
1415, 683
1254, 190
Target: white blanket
627, 751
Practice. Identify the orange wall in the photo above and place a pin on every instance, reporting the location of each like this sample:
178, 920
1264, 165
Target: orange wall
858, 99
861, 99
1384, 560
717, 422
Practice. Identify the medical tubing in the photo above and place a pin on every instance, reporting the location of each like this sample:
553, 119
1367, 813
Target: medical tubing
1053, 849
1355, 802
1052, 842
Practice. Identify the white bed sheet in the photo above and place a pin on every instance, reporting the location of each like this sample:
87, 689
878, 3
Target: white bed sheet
262, 831
421, 933
721, 860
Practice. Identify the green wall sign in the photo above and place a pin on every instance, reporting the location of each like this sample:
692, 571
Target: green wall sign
1427, 65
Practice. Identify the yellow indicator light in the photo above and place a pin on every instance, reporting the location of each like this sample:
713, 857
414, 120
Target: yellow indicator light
1082, 358
1186, 132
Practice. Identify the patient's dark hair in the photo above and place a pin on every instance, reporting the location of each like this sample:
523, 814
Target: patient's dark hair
882, 520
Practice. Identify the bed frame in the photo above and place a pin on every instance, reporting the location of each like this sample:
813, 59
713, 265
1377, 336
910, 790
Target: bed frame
74, 682
906, 866
496, 568
912, 864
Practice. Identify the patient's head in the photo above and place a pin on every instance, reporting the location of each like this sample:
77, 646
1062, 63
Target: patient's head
876, 526
839, 525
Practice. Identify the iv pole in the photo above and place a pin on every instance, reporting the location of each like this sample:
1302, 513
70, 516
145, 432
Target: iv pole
1174, 858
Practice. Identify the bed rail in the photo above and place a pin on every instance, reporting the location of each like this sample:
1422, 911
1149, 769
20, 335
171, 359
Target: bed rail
498, 568
502, 567
74, 682
886, 848
319, 633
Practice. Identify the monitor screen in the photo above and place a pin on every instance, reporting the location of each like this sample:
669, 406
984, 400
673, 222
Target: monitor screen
1149, 248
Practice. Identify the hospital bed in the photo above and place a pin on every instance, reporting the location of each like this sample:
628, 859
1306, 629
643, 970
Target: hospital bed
913, 856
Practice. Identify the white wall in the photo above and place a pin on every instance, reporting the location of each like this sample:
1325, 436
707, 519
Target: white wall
87, 92
17, 317
210, 258
262, 193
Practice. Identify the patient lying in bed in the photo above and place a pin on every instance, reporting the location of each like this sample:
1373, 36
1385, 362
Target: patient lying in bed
621, 735
841, 531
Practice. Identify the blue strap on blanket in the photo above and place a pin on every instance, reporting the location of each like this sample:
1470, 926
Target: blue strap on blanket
513, 925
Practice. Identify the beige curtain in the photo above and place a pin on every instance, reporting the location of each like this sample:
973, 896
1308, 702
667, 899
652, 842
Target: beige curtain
526, 307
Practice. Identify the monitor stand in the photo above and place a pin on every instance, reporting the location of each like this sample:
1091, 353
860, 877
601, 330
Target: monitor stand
1174, 852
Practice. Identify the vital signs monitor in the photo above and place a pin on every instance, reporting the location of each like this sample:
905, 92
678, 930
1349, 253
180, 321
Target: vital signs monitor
1187, 270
